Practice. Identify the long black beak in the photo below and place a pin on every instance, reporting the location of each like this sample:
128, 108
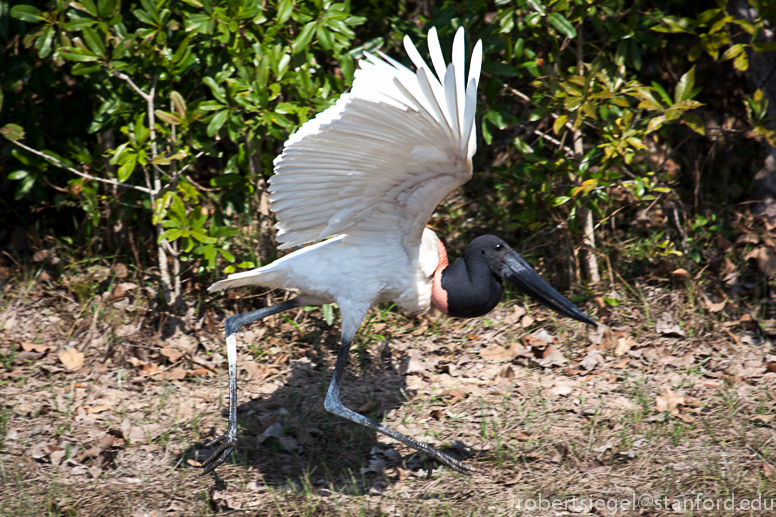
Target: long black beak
517, 272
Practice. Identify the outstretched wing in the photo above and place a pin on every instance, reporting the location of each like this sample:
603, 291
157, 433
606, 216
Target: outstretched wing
383, 157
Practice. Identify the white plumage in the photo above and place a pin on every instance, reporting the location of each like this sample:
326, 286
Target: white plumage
370, 171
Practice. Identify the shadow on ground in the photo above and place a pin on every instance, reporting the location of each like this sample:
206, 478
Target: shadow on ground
287, 440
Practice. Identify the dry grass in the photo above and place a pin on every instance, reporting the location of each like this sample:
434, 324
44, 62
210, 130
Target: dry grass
105, 440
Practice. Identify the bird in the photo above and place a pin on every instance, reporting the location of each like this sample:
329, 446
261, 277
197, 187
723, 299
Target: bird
358, 183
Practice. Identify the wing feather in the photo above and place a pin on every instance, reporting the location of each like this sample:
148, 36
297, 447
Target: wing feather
383, 157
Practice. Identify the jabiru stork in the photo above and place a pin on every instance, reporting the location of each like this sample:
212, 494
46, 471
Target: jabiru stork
362, 179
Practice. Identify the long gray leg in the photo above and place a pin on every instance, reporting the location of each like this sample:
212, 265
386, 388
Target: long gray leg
334, 405
228, 440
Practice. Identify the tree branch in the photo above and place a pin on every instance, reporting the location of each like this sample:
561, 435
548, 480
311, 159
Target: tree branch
130, 82
59, 163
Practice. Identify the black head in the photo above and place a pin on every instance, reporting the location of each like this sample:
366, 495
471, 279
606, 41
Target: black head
506, 264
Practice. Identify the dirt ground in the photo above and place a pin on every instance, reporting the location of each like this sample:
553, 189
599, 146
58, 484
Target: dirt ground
667, 408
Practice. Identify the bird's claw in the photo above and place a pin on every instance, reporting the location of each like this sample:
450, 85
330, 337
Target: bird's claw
454, 464
227, 441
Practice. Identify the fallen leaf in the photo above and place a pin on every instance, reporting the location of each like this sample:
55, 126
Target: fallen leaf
562, 390
668, 326
551, 356
495, 353
688, 419
456, 394
193, 463
72, 359
670, 402
624, 403
172, 355
507, 374
722, 243
624, 344
119, 270
521, 436
437, 414
763, 418
593, 359
747, 238
681, 274
768, 470
27, 347
148, 369
527, 321
175, 374
413, 363
99, 409
255, 370
679, 362
766, 261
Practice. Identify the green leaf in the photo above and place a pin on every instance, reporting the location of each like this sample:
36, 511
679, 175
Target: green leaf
140, 129
226, 180
537, 6
685, 86
285, 8
168, 117
733, 51
26, 13
742, 62
12, 132
171, 235
325, 38
77, 54
106, 8
695, 123
655, 124
151, 8
85, 68
304, 37
563, 26
178, 103
77, 23
23, 187
93, 41
217, 91
216, 122
126, 170
17, 175
43, 43
328, 313
90, 7
559, 124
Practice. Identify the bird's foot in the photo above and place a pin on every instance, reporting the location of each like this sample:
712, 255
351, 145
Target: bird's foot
447, 460
226, 444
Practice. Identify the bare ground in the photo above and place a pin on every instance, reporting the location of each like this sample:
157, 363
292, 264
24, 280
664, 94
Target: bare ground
104, 411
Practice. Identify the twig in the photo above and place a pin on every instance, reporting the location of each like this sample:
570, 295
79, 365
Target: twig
131, 83
567, 150
59, 163
140, 346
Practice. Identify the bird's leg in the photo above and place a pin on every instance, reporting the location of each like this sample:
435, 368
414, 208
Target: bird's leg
228, 440
334, 405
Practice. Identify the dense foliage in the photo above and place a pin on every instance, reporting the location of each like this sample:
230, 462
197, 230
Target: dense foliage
124, 116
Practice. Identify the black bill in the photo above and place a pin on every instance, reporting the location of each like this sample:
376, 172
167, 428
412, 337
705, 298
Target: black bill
517, 272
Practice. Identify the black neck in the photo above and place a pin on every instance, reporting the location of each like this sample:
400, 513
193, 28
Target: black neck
472, 288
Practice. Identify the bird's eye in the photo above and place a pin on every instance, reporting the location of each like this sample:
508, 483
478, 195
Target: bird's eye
499, 247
